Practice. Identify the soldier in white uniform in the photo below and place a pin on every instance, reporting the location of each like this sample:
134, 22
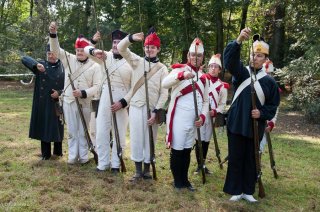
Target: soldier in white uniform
181, 119
138, 122
86, 78
120, 77
217, 101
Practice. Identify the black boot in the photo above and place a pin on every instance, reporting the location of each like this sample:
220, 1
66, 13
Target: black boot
176, 159
205, 147
45, 150
138, 175
146, 171
57, 148
185, 168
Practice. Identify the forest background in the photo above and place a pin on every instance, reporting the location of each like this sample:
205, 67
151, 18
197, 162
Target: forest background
290, 27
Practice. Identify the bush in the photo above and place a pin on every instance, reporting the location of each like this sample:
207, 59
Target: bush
302, 76
312, 113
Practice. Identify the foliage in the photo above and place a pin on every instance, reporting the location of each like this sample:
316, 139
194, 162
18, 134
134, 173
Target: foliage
24, 30
302, 70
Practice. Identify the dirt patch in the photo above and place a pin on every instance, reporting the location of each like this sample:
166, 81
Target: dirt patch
294, 123
14, 85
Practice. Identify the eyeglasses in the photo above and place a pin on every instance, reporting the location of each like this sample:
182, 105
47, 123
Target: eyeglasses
213, 66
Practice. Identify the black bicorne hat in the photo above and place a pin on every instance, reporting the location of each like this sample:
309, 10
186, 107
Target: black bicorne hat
118, 35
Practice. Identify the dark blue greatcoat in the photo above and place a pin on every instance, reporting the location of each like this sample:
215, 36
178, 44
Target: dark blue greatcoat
241, 174
45, 124
239, 114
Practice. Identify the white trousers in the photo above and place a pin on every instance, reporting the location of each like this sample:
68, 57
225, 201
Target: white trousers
206, 129
183, 129
105, 125
263, 142
139, 134
77, 143
93, 127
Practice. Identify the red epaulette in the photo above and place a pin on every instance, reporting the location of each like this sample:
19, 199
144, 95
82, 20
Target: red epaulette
208, 76
203, 79
226, 85
178, 65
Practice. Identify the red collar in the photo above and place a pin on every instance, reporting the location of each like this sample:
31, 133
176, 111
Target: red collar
213, 79
193, 67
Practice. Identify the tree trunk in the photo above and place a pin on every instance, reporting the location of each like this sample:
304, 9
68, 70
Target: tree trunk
87, 14
188, 22
244, 13
219, 24
31, 8
277, 44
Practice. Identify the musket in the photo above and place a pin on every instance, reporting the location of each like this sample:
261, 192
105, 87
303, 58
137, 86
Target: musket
224, 160
151, 140
215, 140
271, 156
199, 143
150, 131
255, 133
83, 121
114, 117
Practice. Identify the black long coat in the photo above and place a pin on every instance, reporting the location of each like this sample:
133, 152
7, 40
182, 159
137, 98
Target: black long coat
45, 124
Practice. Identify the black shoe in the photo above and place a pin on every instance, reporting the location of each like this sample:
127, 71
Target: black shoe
99, 170
177, 188
147, 176
136, 178
56, 157
191, 188
45, 158
188, 186
206, 170
115, 170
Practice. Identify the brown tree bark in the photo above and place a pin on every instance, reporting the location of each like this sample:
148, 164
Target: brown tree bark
219, 24
87, 14
244, 13
277, 44
188, 23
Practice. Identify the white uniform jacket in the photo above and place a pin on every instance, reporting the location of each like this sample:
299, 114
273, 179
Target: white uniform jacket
86, 76
217, 100
157, 94
182, 95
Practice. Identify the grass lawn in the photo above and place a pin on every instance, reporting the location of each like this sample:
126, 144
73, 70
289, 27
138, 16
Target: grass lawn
28, 184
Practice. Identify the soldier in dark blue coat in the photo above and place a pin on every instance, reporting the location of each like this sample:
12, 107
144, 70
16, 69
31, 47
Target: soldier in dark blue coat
241, 174
45, 123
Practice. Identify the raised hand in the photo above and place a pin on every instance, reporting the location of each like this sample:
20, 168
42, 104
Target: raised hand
138, 36
244, 35
53, 28
96, 37
99, 54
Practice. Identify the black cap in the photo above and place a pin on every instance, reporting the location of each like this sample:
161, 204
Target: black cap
257, 37
118, 35
151, 30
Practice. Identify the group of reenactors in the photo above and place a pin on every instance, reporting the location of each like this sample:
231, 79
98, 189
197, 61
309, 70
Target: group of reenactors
133, 89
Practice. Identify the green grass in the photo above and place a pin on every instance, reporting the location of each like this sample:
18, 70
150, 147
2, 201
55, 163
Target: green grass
28, 184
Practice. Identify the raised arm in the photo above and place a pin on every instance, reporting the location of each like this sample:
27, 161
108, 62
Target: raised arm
231, 54
124, 51
176, 76
54, 43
